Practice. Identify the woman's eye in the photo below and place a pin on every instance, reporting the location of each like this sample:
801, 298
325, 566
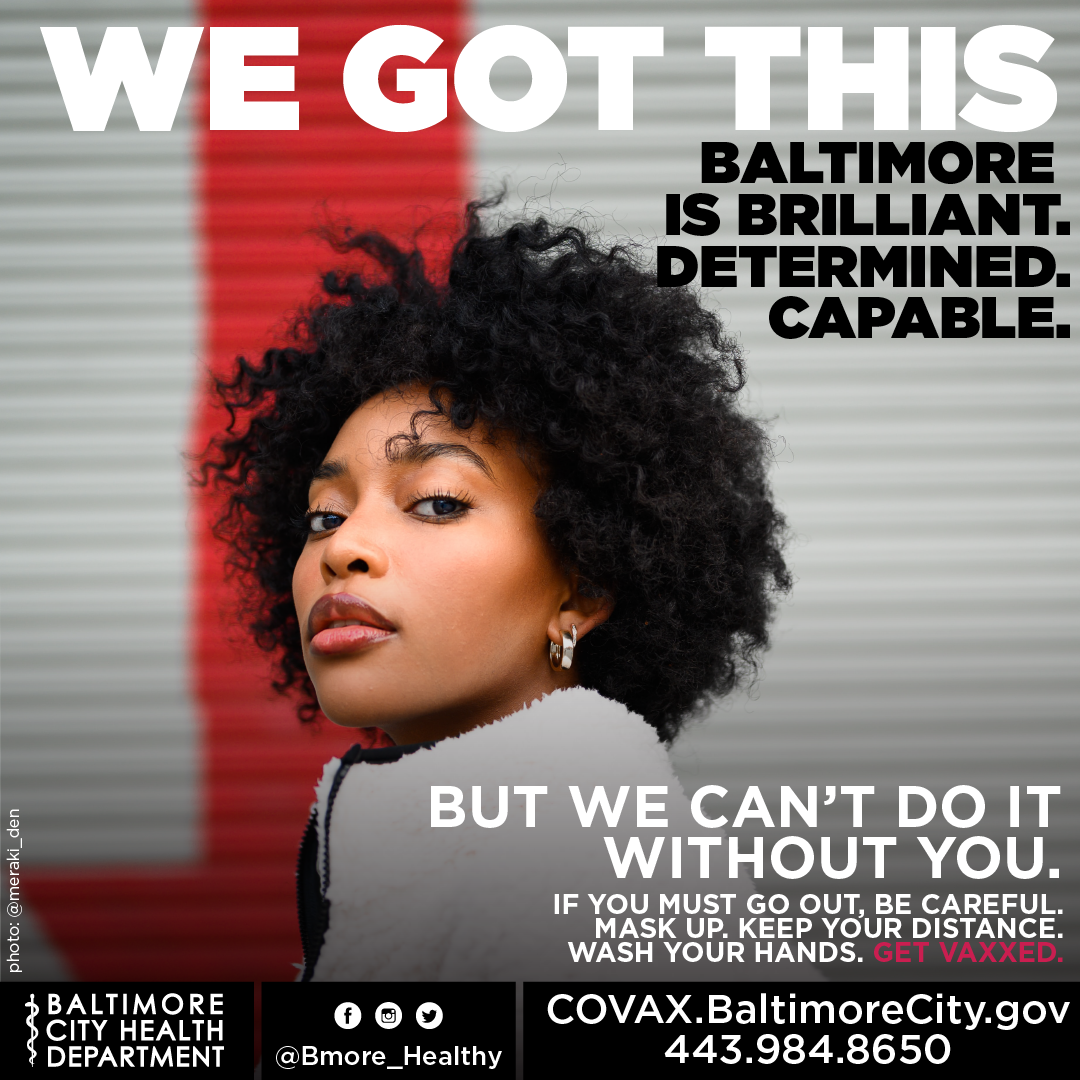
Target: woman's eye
323, 521
439, 506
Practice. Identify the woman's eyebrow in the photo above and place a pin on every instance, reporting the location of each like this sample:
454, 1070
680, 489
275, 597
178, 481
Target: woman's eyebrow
410, 452
329, 470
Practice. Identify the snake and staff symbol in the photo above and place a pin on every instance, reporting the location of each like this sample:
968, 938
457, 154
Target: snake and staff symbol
34, 1010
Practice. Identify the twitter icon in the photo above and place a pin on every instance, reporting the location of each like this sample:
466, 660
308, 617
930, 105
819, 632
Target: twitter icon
429, 1015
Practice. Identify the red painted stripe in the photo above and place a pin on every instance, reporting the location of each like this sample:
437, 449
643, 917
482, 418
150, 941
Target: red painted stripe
231, 915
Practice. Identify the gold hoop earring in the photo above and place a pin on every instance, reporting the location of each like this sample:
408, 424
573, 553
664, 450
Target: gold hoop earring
561, 654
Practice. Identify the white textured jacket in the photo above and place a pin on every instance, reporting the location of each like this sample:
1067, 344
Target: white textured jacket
394, 898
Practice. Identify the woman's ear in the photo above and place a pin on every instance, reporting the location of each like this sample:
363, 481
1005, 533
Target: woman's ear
586, 608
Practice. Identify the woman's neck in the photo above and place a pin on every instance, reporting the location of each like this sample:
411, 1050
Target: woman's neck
458, 719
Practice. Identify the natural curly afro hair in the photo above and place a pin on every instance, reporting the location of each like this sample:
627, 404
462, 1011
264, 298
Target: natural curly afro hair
654, 483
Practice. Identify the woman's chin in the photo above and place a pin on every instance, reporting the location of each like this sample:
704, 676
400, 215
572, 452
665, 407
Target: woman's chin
342, 709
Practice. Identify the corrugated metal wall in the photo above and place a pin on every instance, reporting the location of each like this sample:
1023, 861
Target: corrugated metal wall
931, 487
100, 331
253, 208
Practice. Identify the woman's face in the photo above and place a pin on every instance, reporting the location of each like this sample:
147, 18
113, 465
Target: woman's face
426, 591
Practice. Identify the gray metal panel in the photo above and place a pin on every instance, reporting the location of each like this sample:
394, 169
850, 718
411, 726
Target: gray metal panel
98, 302
931, 487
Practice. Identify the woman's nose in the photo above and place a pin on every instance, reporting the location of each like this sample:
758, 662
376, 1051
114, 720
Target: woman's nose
353, 550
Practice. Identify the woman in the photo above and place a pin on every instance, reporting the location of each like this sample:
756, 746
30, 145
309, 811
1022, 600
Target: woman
516, 523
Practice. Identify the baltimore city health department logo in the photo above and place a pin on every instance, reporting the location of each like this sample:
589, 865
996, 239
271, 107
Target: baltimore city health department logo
34, 1010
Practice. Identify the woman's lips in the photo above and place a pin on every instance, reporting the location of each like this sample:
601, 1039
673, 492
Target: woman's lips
342, 623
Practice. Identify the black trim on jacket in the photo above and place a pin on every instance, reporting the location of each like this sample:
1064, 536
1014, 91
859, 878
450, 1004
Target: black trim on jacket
313, 908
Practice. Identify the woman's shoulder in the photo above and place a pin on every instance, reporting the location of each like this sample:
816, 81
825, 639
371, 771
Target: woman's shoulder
469, 896
476, 890
571, 733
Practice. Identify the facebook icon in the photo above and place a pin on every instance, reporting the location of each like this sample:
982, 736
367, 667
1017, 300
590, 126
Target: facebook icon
346, 1015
